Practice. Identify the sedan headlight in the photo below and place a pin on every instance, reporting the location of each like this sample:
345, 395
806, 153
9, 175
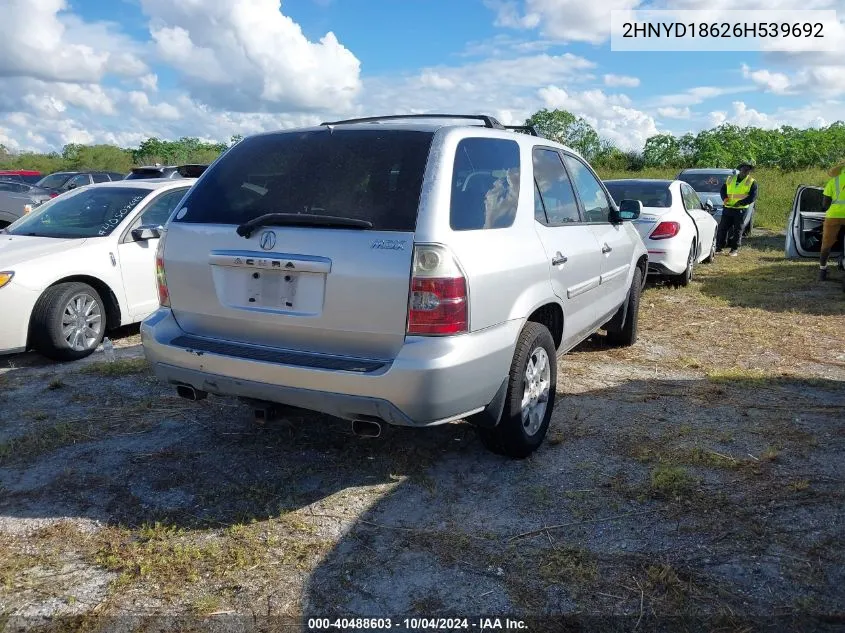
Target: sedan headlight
6, 277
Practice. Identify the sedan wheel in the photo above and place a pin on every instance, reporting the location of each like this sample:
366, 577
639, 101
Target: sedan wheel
68, 321
82, 322
685, 277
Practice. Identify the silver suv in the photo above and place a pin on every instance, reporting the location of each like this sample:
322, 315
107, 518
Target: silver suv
395, 270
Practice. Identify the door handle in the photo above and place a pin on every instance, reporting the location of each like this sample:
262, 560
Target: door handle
605, 248
559, 259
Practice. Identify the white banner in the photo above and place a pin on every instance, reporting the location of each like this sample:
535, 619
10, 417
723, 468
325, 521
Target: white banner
727, 30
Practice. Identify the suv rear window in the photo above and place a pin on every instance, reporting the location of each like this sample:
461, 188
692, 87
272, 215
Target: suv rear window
372, 175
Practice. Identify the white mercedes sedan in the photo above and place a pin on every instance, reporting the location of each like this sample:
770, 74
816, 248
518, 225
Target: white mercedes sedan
677, 228
81, 264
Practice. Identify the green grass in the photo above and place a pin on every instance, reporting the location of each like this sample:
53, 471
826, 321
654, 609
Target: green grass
670, 482
120, 367
776, 189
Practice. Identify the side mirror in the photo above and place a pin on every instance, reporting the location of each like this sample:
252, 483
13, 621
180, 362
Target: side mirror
709, 206
71, 185
145, 233
630, 209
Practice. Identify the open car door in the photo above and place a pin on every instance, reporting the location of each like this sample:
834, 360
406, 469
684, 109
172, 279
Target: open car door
804, 229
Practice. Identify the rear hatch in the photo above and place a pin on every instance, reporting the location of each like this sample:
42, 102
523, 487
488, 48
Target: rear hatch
330, 272
138, 173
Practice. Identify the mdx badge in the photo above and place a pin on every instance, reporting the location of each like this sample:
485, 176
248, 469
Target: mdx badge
267, 240
389, 245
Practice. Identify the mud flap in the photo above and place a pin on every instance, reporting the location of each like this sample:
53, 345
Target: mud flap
618, 321
489, 418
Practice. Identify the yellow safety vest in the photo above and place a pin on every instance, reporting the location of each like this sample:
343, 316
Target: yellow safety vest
738, 191
836, 192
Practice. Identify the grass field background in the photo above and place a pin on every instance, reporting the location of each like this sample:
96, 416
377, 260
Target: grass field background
776, 189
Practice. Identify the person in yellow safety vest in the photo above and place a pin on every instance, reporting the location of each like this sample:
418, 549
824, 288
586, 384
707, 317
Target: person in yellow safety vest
738, 193
833, 203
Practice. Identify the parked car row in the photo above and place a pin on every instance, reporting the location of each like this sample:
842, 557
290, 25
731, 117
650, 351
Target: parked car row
345, 268
392, 270
19, 194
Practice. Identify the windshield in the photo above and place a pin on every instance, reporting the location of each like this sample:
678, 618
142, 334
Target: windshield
651, 194
370, 175
53, 181
88, 213
705, 183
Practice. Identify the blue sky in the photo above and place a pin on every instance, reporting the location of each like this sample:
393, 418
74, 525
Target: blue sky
120, 70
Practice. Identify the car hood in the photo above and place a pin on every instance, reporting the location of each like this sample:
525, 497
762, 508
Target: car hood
19, 249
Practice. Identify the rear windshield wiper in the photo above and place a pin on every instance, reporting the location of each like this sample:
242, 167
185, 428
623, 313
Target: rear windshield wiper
300, 219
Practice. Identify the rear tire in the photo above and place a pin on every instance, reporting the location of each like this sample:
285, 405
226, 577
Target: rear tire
627, 334
530, 397
685, 277
68, 321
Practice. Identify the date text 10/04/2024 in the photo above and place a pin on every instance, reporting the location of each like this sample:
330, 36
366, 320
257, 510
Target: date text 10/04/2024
417, 624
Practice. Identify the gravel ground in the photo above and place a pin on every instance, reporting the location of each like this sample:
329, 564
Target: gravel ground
708, 489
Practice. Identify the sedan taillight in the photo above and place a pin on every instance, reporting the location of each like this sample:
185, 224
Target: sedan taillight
161, 279
665, 230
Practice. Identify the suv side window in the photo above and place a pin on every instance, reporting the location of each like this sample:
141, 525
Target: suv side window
100, 177
159, 210
485, 184
593, 198
554, 200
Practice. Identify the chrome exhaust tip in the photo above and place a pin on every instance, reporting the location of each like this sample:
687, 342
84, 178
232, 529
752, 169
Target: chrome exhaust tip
366, 428
189, 393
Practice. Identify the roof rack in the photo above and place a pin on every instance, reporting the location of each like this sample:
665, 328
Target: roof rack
488, 121
525, 129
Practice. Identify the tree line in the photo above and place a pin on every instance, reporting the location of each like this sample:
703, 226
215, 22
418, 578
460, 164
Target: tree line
74, 156
787, 148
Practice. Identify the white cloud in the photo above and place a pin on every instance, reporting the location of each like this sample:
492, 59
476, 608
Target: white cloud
610, 115
674, 113
248, 56
562, 20
621, 81
694, 96
770, 81
36, 41
817, 114
149, 82
143, 108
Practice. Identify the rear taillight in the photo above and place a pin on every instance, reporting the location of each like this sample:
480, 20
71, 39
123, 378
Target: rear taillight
53, 194
161, 280
665, 230
438, 300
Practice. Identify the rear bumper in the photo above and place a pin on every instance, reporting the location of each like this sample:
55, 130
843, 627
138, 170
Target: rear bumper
667, 257
432, 380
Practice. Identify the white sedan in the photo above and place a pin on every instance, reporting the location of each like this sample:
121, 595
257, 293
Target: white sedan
677, 228
81, 264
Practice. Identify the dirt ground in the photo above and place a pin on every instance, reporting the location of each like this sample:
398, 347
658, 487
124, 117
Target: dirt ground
692, 482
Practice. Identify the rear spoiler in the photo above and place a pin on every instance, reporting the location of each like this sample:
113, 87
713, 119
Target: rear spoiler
191, 171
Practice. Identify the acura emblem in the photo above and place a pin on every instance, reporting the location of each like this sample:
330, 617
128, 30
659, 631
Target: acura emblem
268, 240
